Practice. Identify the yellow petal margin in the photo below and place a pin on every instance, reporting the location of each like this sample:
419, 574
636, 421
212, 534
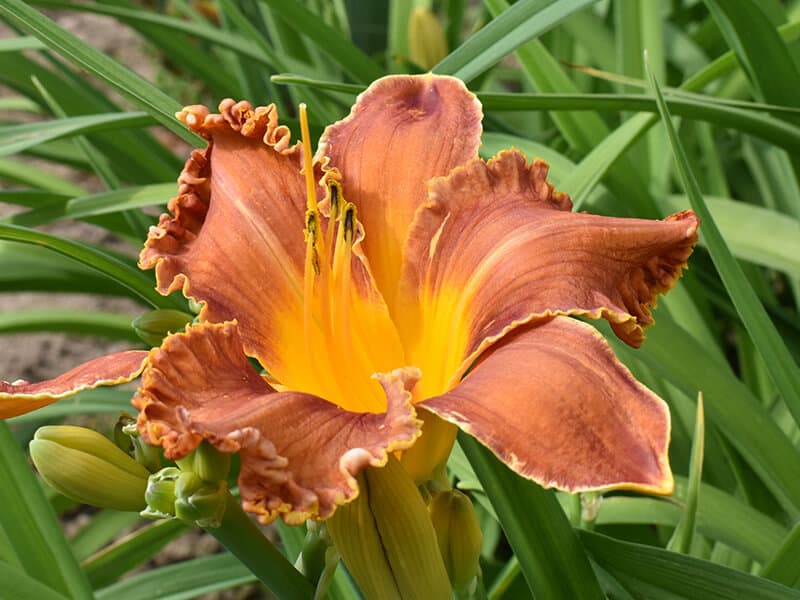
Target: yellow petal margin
496, 245
402, 131
20, 397
552, 401
299, 453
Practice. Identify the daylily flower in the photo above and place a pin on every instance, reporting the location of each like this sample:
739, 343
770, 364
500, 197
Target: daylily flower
396, 276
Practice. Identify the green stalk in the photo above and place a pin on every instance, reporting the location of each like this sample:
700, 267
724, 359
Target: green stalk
246, 541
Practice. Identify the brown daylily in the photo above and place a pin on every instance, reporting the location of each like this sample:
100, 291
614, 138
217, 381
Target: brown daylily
428, 281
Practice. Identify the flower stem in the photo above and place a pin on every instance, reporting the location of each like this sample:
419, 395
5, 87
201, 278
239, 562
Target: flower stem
246, 541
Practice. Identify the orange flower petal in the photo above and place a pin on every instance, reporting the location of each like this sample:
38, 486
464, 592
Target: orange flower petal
402, 131
299, 453
496, 247
235, 236
20, 397
554, 403
235, 241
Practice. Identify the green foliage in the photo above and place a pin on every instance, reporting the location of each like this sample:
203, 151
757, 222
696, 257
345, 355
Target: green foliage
714, 124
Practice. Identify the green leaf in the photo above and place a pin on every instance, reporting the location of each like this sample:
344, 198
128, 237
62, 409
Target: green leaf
683, 535
16, 138
20, 586
144, 94
136, 281
655, 573
779, 362
182, 581
17, 44
94, 205
759, 49
103, 527
22, 172
753, 233
28, 520
523, 21
782, 566
676, 355
337, 48
76, 322
107, 565
551, 558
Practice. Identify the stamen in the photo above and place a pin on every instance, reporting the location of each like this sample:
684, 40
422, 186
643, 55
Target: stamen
308, 167
335, 195
341, 275
312, 230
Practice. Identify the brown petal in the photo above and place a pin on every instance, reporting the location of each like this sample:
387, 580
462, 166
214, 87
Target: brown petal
235, 241
402, 131
554, 403
495, 246
20, 397
299, 453
235, 236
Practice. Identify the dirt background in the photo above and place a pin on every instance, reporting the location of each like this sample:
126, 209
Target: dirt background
41, 356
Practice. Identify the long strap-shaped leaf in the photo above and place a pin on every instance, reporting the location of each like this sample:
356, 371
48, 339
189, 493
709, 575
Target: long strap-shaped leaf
778, 361
645, 571
136, 281
29, 522
151, 99
550, 555
16, 138
522, 22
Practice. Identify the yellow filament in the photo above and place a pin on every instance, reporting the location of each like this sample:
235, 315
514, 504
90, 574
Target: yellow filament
308, 167
341, 277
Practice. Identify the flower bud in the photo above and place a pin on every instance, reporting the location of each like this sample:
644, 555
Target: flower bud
386, 539
459, 536
160, 494
126, 437
153, 326
88, 467
427, 44
205, 505
208, 463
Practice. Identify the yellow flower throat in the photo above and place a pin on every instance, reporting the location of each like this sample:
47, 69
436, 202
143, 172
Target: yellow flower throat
328, 296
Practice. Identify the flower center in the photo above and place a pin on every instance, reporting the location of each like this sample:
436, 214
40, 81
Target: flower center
328, 293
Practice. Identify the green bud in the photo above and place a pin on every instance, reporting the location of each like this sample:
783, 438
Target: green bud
427, 44
459, 536
386, 539
205, 505
208, 463
187, 484
160, 494
88, 467
315, 545
211, 464
195, 307
153, 326
126, 436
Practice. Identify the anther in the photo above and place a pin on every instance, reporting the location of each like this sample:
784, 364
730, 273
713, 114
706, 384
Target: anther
349, 221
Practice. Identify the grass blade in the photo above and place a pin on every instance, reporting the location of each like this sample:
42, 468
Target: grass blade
522, 22
780, 364
28, 519
144, 94
551, 558
136, 281
683, 535
657, 573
